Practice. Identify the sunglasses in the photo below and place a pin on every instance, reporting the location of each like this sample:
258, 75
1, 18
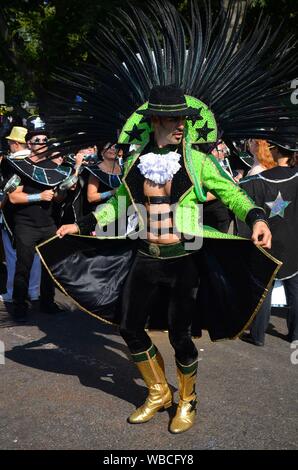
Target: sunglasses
111, 147
39, 141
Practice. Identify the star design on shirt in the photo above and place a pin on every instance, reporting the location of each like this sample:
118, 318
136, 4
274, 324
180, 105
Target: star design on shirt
135, 133
278, 206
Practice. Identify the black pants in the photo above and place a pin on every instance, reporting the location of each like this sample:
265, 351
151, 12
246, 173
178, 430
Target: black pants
291, 290
261, 322
26, 238
217, 215
147, 278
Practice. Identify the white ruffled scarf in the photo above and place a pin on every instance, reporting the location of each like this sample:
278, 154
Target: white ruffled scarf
159, 168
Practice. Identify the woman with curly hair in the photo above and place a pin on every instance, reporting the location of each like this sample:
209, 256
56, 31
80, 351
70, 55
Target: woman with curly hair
263, 159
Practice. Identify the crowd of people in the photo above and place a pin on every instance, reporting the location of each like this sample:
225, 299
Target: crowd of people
143, 219
52, 190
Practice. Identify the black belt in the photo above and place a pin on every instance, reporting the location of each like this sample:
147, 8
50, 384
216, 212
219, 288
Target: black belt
160, 216
158, 199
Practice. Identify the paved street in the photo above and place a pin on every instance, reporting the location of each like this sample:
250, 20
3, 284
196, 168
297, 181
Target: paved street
67, 383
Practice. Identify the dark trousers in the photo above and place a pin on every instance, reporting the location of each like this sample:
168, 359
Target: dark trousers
261, 322
217, 215
291, 290
26, 238
147, 278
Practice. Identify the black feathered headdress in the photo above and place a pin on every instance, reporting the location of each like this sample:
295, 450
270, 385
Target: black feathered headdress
242, 79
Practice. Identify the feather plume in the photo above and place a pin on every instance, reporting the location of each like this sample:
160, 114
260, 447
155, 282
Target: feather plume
244, 78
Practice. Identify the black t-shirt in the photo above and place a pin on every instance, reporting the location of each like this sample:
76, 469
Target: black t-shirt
276, 190
35, 214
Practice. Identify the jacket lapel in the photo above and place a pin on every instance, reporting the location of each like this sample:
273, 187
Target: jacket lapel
181, 183
134, 183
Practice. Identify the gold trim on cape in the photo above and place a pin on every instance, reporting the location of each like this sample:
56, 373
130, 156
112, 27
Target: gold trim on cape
279, 264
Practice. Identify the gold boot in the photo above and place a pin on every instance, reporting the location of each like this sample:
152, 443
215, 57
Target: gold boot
151, 367
186, 410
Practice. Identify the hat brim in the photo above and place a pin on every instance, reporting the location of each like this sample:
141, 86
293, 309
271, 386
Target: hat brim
200, 124
36, 132
282, 145
186, 112
16, 140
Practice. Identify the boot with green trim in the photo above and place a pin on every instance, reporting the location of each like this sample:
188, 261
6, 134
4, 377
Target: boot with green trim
151, 367
186, 411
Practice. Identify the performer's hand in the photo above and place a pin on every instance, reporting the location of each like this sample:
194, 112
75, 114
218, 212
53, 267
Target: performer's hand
69, 229
261, 235
47, 195
79, 157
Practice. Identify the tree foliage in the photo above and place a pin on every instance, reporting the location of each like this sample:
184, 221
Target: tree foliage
37, 36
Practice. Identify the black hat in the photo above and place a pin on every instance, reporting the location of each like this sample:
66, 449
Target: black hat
286, 137
35, 126
167, 100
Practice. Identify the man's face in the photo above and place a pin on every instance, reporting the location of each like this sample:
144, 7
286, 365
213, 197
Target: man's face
168, 130
88, 150
58, 158
275, 152
110, 152
220, 151
38, 143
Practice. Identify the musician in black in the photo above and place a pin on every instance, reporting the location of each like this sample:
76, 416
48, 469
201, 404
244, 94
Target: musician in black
33, 217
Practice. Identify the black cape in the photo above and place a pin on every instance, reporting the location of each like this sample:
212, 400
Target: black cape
235, 277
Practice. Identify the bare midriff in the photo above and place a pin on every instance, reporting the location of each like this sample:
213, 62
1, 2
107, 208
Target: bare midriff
160, 222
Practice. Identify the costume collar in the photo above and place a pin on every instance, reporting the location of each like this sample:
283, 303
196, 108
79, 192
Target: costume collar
44, 176
20, 154
109, 179
159, 168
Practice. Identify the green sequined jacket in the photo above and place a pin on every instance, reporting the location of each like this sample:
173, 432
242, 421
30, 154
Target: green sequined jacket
199, 173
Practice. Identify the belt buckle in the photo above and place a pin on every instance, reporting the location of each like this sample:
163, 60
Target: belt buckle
154, 250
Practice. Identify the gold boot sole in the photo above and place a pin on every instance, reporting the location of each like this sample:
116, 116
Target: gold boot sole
153, 412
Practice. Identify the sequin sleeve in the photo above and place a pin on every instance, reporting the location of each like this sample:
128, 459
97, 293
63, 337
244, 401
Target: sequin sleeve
114, 208
221, 185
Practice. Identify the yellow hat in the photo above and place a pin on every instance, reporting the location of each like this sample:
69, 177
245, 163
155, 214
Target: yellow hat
17, 134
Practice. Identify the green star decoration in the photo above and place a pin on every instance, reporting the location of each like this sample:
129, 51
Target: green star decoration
278, 206
195, 118
204, 131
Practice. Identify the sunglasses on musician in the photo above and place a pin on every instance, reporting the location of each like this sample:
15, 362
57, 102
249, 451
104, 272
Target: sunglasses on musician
39, 141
